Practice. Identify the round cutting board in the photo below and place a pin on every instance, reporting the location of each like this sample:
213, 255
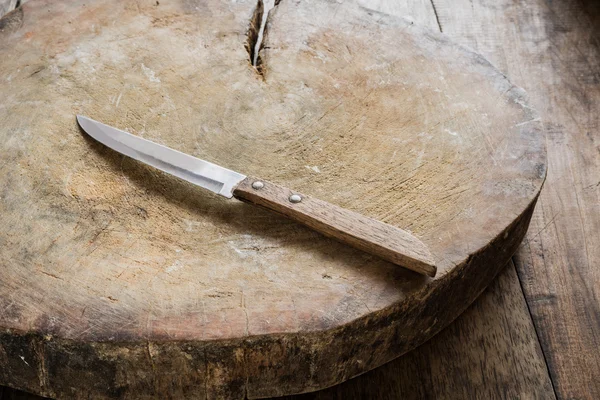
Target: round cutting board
118, 280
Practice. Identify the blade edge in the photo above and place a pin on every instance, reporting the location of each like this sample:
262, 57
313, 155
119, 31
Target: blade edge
202, 173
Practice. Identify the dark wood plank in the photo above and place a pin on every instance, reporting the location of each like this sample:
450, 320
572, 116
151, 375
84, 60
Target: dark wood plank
559, 264
551, 48
490, 352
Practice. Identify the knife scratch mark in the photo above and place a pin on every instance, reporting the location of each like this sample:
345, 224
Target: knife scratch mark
150, 74
23, 358
243, 305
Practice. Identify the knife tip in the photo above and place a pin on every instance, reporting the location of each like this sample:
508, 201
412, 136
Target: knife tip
84, 122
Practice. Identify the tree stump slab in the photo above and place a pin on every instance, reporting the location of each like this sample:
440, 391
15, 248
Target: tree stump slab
118, 281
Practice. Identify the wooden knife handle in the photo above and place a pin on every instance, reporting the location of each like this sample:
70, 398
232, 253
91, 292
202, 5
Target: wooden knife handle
375, 237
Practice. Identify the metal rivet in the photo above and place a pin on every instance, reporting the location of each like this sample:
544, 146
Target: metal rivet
295, 198
257, 185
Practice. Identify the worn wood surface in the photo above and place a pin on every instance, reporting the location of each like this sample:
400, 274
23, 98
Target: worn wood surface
563, 36
489, 352
552, 49
375, 237
559, 264
108, 225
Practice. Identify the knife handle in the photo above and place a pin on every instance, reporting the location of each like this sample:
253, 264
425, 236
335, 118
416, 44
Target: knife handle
375, 237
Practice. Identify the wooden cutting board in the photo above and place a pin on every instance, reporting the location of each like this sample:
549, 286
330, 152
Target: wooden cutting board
120, 281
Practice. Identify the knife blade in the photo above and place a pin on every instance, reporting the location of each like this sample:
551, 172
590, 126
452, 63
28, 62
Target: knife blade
378, 238
199, 172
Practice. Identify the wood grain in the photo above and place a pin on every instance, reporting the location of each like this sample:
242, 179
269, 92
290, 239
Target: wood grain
558, 34
382, 240
160, 288
552, 50
490, 352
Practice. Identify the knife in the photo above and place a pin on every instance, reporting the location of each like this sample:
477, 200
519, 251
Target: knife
375, 237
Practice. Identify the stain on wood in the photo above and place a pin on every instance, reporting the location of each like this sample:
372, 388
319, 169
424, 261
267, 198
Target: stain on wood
201, 297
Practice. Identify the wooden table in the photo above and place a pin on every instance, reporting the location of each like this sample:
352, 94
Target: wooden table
536, 329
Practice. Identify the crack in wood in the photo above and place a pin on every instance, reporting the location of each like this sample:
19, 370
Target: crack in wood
513, 264
256, 33
437, 17
252, 44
